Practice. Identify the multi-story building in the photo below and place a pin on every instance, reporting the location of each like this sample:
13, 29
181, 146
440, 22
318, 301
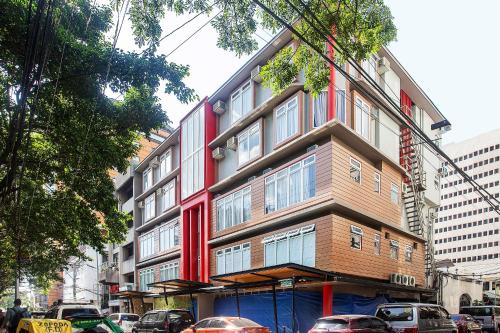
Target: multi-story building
333, 182
467, 231
117, 265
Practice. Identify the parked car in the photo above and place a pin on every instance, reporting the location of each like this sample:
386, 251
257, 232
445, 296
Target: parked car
350, 323
125, 320
227, 325
416, 318
466, 324
487, 315
65, 310
163, 321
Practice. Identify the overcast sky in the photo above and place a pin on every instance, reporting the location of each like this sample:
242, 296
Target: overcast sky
445, 45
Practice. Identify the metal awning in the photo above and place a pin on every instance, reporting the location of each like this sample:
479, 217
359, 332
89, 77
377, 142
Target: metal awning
272, 275
130, 294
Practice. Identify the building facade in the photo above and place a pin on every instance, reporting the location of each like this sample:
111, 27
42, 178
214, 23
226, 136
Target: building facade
467, 231
332, 182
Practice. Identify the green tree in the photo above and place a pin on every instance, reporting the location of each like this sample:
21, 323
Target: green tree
362, 27
61, 133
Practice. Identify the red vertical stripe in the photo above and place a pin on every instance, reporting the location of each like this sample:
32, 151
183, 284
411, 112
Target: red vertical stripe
331, 113
327, 300
185, 245
193, 248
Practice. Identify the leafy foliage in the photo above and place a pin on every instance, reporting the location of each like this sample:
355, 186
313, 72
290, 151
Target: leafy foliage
62, 193
362, 27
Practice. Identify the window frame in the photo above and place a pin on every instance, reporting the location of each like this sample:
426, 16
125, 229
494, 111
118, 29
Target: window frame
144, 272
356, 233
247, 131
166, 189
285, 174
398, 200
239, 249
239, 92
360, 131
169, 166
377, 244
221, 202
394, 244
344, 99
169, 227
171, 265
147, 201
313, 113
142, 238
287, 236
193, 153
146, 175
408, 250
298, 97
359, 168
377, 182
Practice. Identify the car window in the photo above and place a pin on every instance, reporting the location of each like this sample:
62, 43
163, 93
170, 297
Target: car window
68, 312
218, 323
360, 323
378, 324
180, 317
51, 314
443, 313
113, 317
161, 316
242, 322
497, 311
331, 324
203, 324
396, 313
130, 317
434, 313
153, 317
477, 311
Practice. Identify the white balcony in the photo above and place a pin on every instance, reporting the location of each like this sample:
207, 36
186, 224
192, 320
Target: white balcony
128, 266
128, 206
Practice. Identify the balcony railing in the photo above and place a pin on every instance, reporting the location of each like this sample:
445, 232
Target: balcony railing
128, 206
109, 273
128, 266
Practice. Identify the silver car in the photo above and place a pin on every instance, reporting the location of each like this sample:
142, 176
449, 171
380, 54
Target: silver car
487, 315
416, 318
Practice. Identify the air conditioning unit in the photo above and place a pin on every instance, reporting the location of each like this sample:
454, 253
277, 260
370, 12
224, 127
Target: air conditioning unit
432, 215
411, 281
154, 162
218, 153
255, 74
219, 107
159, 191
404, 280
140, 204
396, 278
383, 65
232, 143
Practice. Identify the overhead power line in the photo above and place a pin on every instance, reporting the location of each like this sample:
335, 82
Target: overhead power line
409, 121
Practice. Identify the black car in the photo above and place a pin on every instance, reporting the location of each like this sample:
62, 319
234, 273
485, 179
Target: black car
164, 321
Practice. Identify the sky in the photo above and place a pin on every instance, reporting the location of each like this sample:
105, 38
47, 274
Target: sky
448, 46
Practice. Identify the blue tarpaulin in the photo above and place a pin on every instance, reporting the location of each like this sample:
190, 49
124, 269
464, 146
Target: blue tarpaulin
259, 308
308, 307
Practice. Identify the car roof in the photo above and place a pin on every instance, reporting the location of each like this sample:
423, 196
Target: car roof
480, 306
405, 304
353, 316
225, 317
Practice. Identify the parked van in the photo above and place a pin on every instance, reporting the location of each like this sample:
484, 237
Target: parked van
416, 318
487, 315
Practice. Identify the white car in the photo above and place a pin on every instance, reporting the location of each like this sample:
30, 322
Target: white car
64, 310
125, 320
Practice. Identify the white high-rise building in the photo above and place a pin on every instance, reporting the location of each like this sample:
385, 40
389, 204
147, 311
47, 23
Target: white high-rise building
468, 229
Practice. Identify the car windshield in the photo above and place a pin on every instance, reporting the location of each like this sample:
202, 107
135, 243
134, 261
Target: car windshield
130, 317
476, 312
331, 324
396, 313
242, 322
79, 312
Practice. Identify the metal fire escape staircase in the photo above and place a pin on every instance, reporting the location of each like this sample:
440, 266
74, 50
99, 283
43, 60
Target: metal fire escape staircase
413, 190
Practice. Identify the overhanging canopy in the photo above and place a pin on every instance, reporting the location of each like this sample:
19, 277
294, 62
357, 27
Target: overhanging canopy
179, 284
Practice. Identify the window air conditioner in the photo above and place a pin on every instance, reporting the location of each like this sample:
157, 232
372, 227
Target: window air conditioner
159, 191
432, 215
218, 153
219, 107
255, 74
404, 280
411, 281
140, 204
232, 143
396, 278
154, 162
383, 65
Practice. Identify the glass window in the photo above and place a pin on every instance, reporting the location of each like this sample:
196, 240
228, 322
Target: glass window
249, 144
147, 179
376, 182
376, 244
362, 118
355, 170
147, 245
408, 253
340, 103
192, 152
233, 259
169, 271
146, 276
149, 207
320, 109
395, 313
168, 196
356, 237
395, 193
234, 209
297, 246
169, 236
291, 185
394, 249
241, 102
287, 120
165, 164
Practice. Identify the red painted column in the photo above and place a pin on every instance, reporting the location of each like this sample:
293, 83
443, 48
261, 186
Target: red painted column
193, 248
203, 240
185, 245
327, 300
331, 108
